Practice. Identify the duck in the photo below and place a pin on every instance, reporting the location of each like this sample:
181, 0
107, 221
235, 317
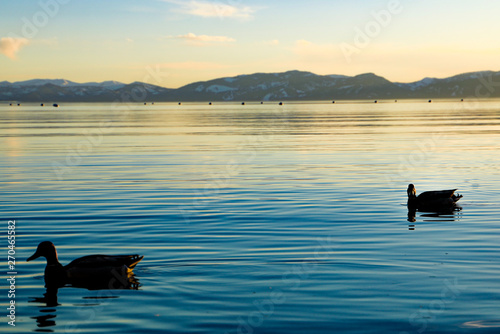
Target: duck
92, 271
440, 200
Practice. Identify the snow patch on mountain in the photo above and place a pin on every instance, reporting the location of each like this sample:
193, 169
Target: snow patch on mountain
419, 84
268, 97
113, 85
219, 89
337, 76
41, 82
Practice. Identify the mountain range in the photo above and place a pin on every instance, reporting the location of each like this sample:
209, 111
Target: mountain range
291, 85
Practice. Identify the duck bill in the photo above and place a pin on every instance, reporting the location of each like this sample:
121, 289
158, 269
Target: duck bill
32, 257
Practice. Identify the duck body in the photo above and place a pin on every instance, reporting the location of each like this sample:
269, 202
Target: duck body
440, 200
92, 272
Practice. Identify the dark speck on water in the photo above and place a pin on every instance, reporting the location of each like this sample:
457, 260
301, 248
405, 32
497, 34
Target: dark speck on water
267, 219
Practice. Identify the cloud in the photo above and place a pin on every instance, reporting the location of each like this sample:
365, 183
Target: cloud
214, 9
10, 46
204, 39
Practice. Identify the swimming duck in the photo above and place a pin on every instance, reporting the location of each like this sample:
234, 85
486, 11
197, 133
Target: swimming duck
92, 271
441, 200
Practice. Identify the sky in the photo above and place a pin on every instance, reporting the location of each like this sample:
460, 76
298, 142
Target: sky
171, 43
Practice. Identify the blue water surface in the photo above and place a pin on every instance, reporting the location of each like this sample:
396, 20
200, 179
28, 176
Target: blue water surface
256, 218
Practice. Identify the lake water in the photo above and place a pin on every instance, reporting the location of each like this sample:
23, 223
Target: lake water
257, 218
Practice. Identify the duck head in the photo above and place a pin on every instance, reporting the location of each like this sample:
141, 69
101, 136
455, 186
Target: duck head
412, 200
47, 250
412, 193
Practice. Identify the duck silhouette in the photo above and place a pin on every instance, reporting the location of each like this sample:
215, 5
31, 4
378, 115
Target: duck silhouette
435, 201
93, 272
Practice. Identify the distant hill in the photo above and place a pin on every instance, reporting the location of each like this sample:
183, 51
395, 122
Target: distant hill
292, 85
60, 90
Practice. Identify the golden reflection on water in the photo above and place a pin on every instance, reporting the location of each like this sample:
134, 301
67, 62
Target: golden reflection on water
13, 147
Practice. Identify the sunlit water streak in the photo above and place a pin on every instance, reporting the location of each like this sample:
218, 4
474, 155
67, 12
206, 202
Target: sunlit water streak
258, 218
